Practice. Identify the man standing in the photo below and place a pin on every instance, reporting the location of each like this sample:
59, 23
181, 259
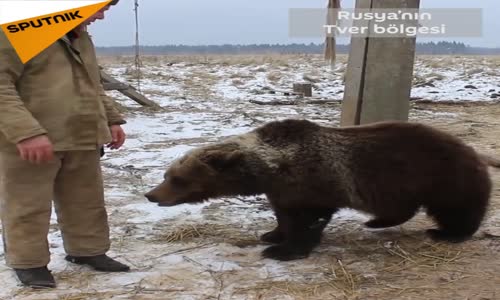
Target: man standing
54, 119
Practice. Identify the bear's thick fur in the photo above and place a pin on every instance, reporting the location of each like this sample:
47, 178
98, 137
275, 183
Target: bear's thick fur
308, 172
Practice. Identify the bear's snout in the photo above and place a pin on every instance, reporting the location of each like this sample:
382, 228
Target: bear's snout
151, 198
156, 196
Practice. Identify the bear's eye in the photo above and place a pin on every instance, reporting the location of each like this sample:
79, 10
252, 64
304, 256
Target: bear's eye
178, 181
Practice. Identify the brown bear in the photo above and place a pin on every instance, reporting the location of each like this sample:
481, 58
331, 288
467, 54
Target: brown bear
308, 172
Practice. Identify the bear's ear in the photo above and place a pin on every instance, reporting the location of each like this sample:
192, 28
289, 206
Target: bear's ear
220, 159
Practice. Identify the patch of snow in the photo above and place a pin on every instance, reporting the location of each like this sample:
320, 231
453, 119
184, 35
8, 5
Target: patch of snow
150, 212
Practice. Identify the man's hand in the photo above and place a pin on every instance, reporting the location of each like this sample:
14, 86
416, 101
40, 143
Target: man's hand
38, 149
118, 136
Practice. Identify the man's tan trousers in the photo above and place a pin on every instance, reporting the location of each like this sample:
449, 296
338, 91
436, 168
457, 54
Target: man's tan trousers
74, 182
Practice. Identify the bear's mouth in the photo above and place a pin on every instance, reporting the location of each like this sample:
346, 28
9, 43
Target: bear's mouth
167, 204
179, 202
172, 202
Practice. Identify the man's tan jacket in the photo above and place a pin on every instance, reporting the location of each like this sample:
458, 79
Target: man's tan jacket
57, 93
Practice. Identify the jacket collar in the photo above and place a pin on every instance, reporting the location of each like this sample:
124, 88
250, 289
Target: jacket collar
72, 49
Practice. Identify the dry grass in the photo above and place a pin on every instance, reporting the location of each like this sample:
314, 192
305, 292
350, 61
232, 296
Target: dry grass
243, 60
203, 232
241, 76
336, 281
274, 76
237, 82
288, 60
199, 84
493, 71
297, 290
72, 296
417, 79
311, 78
423, 255
436, 76
432, 64
344, 279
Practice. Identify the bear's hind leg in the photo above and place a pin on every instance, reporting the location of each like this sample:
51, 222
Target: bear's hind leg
455, 225
460, 207
458, 221
302, 230
277, 235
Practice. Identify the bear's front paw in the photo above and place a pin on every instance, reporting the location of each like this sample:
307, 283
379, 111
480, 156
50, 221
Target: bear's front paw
443, 236
273, 237
285, 253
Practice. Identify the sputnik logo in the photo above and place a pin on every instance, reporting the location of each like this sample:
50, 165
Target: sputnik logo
33, 25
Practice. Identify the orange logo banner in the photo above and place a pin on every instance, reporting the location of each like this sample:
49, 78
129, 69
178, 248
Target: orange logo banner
31, 36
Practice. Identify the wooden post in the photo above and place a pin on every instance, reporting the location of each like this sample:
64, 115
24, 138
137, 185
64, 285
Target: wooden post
303, 88
380, 73
110, 83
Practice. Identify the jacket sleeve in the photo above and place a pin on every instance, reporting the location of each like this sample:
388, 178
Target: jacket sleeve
16, 122
112, 113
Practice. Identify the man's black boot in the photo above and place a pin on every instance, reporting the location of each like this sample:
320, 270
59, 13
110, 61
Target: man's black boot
36, 277
102, 263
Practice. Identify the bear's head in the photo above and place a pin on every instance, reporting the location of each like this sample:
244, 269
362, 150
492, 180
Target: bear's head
201, 174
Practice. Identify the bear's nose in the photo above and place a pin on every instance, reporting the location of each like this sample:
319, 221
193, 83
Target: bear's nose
151, 198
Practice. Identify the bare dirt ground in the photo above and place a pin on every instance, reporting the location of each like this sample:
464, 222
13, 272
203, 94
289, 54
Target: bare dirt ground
212, 251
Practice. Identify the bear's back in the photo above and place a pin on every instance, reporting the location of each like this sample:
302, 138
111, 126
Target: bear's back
289, 131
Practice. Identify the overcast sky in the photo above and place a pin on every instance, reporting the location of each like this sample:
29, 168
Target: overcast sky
201, 22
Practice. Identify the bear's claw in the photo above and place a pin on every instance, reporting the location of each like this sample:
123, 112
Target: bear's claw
273, 237
284, 253
442, 236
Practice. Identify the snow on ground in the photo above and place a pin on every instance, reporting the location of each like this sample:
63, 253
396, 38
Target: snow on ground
203, 101
226, 79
